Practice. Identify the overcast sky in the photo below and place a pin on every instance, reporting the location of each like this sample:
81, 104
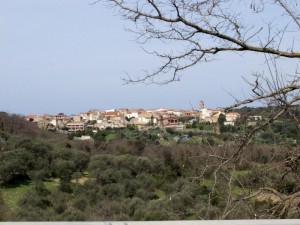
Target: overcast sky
68, 56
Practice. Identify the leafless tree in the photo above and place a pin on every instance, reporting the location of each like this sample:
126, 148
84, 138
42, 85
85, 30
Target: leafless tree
205, 29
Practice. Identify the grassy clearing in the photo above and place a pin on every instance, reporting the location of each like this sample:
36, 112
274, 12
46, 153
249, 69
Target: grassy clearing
12, 194
160, 194
51, 184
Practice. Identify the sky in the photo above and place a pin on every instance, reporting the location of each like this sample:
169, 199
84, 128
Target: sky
68, 56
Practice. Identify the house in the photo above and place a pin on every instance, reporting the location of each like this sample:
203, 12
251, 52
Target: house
178, 112
109, 114
76, 126
61, 120
215, 115
76, 118
35, 118
103, 124
231, 118
146, 118
123, 111
253, 120
169, 120
111, 122
161, 110
93, 114
205, 115
188, 113
45, 124
132, 114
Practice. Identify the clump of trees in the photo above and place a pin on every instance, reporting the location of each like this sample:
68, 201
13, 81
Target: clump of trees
38, 160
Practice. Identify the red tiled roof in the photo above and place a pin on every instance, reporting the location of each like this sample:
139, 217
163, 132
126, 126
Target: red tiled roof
31, 116
110, 114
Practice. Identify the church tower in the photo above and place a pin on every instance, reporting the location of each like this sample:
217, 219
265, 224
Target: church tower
200, 110
201, 105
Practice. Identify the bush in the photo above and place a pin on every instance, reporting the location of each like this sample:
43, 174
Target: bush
171, 130
72, 215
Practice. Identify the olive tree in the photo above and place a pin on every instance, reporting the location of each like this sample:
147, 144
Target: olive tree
204, 29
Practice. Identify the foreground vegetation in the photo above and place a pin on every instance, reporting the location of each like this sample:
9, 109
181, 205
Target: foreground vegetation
125, 174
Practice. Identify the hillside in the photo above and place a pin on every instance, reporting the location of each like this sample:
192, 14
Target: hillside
126, 174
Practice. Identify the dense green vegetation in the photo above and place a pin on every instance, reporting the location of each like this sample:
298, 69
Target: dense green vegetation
126, 174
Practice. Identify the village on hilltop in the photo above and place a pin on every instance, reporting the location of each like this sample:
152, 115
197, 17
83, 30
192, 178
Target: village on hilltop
142, 118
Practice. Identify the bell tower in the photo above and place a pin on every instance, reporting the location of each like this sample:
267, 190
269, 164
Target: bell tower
201, 110
201, 105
